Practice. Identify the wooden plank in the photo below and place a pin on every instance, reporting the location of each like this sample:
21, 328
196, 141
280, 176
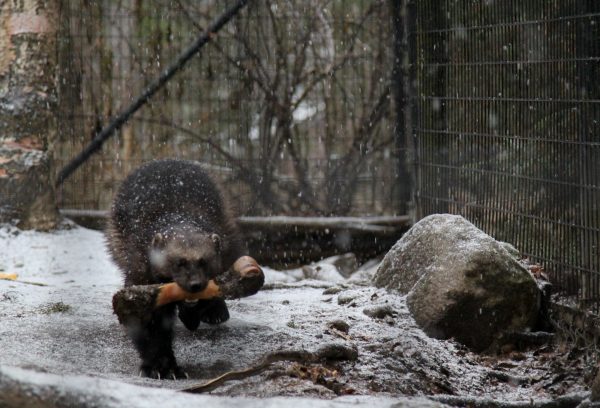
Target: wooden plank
377, 224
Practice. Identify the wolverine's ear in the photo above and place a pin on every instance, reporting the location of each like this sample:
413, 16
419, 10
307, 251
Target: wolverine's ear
217, 241
158, 241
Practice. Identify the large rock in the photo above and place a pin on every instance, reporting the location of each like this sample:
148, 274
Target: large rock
461, 282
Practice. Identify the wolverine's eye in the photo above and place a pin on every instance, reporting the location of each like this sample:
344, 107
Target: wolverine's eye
181, 263
200, 263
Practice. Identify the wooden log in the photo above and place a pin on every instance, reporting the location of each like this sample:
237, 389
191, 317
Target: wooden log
381, 224
243, 279
300, 240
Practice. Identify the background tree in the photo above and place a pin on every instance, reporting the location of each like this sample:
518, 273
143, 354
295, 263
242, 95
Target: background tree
27, 112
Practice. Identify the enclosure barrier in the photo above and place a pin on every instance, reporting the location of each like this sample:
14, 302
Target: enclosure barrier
507, 128
302, 109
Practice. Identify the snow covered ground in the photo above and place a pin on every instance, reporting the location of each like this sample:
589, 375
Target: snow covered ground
61, 341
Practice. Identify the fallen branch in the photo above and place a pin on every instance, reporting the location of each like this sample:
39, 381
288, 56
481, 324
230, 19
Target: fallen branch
525, 340
327, 352
13, 278
509, 378
268, 360
30, 283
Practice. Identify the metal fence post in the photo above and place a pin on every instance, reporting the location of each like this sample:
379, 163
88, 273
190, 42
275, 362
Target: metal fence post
403, 83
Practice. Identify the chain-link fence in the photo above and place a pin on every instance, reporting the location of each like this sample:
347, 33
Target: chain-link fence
292, 109
507, 127
289, 106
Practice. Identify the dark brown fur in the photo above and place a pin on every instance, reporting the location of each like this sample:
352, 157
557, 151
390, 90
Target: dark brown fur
170, 222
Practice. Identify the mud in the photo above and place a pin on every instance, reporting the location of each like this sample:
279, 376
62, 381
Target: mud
375, 347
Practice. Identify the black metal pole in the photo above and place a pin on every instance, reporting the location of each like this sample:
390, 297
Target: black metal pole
400, 86
150, 90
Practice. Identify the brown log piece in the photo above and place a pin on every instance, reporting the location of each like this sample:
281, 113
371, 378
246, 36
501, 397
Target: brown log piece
243, 279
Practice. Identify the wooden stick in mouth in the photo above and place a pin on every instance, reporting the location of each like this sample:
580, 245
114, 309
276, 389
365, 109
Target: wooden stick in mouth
243, 279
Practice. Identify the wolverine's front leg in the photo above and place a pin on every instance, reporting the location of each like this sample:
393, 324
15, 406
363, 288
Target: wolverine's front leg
153, 338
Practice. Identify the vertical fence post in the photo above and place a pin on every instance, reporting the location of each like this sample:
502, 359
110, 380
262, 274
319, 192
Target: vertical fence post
413, 112
588, 89
440, 92
401, 84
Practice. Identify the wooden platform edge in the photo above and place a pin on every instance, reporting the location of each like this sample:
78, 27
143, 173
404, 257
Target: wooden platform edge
374, 224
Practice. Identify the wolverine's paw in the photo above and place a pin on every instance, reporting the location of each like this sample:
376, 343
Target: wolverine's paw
162, 369
212, 311
189, 314
215, 311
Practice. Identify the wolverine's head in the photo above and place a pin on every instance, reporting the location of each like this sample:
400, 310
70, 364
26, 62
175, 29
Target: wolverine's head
188, 258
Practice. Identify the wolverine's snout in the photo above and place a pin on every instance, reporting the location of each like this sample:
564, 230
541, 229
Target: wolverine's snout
197, 284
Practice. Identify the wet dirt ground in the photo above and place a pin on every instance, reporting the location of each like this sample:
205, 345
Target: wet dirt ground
60, 325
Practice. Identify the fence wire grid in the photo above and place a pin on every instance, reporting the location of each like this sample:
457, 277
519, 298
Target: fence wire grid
289, 106
293, 108
507, 127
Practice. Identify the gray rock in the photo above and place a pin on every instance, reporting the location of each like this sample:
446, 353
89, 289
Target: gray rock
346, 297
514, 252
333, 290
337, 352
364, 274
379, 312
340, 325
461, 282
346, 264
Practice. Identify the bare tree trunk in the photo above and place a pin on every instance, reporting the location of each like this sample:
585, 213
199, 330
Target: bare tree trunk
27, 112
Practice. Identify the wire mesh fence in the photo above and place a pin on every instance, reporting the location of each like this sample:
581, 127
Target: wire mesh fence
292, 109
507, 127
289, 107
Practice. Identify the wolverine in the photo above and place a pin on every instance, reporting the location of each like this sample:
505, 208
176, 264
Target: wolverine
170, 222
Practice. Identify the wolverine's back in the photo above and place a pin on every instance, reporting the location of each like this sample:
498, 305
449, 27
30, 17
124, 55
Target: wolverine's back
163, 195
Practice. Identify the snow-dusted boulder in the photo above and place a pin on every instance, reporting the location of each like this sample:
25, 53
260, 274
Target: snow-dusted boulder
460, 282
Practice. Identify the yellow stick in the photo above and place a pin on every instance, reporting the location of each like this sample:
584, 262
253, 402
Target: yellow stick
8, 276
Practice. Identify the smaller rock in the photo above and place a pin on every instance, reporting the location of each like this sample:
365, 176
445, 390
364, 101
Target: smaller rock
379, 312
340, 325
337, 352
365, 273
323, 272
332, 291
346, 264
345, 298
